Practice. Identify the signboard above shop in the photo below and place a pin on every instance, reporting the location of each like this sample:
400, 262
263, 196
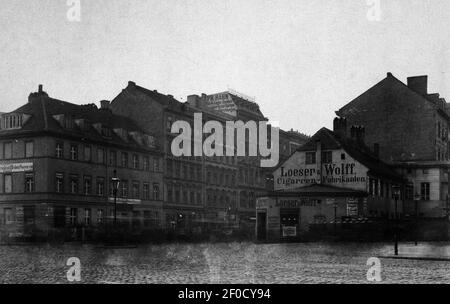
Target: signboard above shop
16, 167
340, 172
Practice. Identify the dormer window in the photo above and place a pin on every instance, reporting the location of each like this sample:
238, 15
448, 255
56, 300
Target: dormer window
64, 121
13, 121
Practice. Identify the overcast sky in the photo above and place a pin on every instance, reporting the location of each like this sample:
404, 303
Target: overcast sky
302, 60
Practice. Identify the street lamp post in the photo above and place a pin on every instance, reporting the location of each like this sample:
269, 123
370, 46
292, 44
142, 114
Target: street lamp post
115, 183
396, 191
335, 219
416, 210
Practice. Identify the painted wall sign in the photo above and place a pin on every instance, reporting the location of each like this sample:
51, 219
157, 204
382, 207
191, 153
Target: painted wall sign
222, 102
16, 167
341, 172
289, 231
296, 203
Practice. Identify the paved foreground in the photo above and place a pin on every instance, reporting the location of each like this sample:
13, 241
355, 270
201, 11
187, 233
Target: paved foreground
222, 263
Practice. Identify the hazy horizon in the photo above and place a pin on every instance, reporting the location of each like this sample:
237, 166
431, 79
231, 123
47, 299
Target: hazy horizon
302, 60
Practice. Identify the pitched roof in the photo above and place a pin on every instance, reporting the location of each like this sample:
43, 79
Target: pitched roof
43, 108
332, 141
433, 99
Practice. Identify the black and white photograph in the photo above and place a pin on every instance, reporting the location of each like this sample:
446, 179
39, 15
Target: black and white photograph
235, 144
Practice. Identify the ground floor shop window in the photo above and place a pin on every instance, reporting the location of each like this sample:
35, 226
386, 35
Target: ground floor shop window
8, 216
73, 216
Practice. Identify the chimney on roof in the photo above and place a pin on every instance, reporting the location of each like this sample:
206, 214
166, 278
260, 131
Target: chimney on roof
170, 96
419, 84
358, 134
194, 101
376, 149
340, 126
131, 84
104, 104
37, 95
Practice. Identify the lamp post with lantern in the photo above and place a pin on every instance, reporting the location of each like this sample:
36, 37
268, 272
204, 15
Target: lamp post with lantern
396, 193
115, 184
416, 210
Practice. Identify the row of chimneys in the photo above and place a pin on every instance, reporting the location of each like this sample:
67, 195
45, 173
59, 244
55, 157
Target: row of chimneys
357, 133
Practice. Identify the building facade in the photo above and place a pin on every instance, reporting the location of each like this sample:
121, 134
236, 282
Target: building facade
331, 179
408, 128
57, 161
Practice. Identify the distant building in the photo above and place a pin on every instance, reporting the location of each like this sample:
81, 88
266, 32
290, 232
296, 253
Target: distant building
57, 160
253, 181
408, 128
330, 179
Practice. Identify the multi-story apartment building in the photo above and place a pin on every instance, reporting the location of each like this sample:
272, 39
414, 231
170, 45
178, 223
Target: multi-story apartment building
57, 161
333, 178
408, 128
199, 192
253, 180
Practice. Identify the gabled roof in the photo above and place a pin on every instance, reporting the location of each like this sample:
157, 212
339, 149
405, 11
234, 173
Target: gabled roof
431, 99
331, 141
43, 108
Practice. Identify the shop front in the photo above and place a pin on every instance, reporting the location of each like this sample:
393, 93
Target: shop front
291, 215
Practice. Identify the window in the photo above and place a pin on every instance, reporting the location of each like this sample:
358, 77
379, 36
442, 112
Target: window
124, 160
146, 191
100, 215
73, 152
135, 189
29, 182
100, 156
7, 150
185, 197
147, 163
8, 183
169, 123
185, 172
9, 219
73, 216
135, 161
310, 158
327, 157
192, 198
87, 153
425, 191
100, 186
29, 149
155, 192
169, 195
87, 183
87, 216
199, 198
74, 184
59, 150
156, 165
177, 195
124, 188
113, 158
59, 183
343, 156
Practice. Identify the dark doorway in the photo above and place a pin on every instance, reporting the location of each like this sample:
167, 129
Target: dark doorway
261, 229
60, 216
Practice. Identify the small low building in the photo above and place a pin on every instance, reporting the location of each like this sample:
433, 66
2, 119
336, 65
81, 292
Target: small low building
331, 179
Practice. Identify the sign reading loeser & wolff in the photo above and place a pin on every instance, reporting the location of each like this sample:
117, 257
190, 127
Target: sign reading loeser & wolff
344, 173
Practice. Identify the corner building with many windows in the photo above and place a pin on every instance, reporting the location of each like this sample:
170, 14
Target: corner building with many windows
57, 160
